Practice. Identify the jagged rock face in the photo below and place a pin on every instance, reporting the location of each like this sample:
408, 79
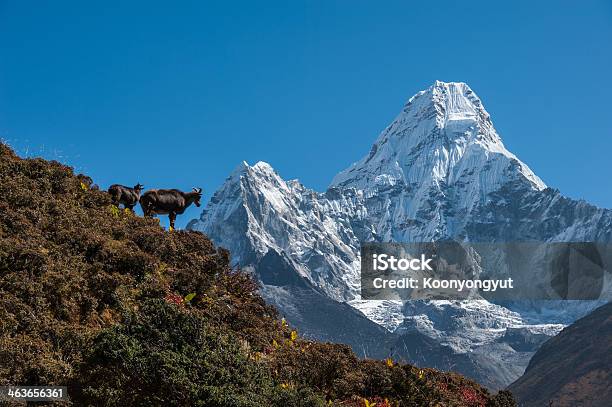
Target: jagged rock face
438, 171
256, 212
437, 162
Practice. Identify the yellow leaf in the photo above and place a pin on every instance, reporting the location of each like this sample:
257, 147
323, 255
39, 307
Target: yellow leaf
114, 210
83, 187
170, 229
294, 335
389, 362
274, 343
368, 404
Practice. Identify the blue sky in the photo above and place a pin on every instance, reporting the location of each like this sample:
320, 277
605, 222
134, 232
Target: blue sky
178, 96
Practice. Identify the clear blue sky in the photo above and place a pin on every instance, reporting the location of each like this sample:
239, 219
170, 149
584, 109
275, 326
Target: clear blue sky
177, 96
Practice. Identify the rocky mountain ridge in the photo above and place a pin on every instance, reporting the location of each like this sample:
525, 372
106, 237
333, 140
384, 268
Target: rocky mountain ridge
438, 171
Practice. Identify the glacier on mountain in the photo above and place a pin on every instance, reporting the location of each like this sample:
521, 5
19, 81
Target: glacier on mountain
438, 171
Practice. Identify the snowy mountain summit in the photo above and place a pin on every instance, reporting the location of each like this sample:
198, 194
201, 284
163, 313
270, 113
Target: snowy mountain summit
438, 171
443, 135
441, 151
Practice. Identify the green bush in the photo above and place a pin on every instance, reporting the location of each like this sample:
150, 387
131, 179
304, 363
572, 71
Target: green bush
163, 355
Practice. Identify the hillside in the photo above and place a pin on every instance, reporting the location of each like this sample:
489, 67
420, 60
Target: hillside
574, 368
125, 313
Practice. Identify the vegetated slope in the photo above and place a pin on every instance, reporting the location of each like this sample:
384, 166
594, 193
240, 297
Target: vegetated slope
573, 368
101, 300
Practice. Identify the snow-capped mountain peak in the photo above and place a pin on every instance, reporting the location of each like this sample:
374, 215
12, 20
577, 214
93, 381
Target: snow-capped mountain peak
438, 171
455, 101
442, 135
